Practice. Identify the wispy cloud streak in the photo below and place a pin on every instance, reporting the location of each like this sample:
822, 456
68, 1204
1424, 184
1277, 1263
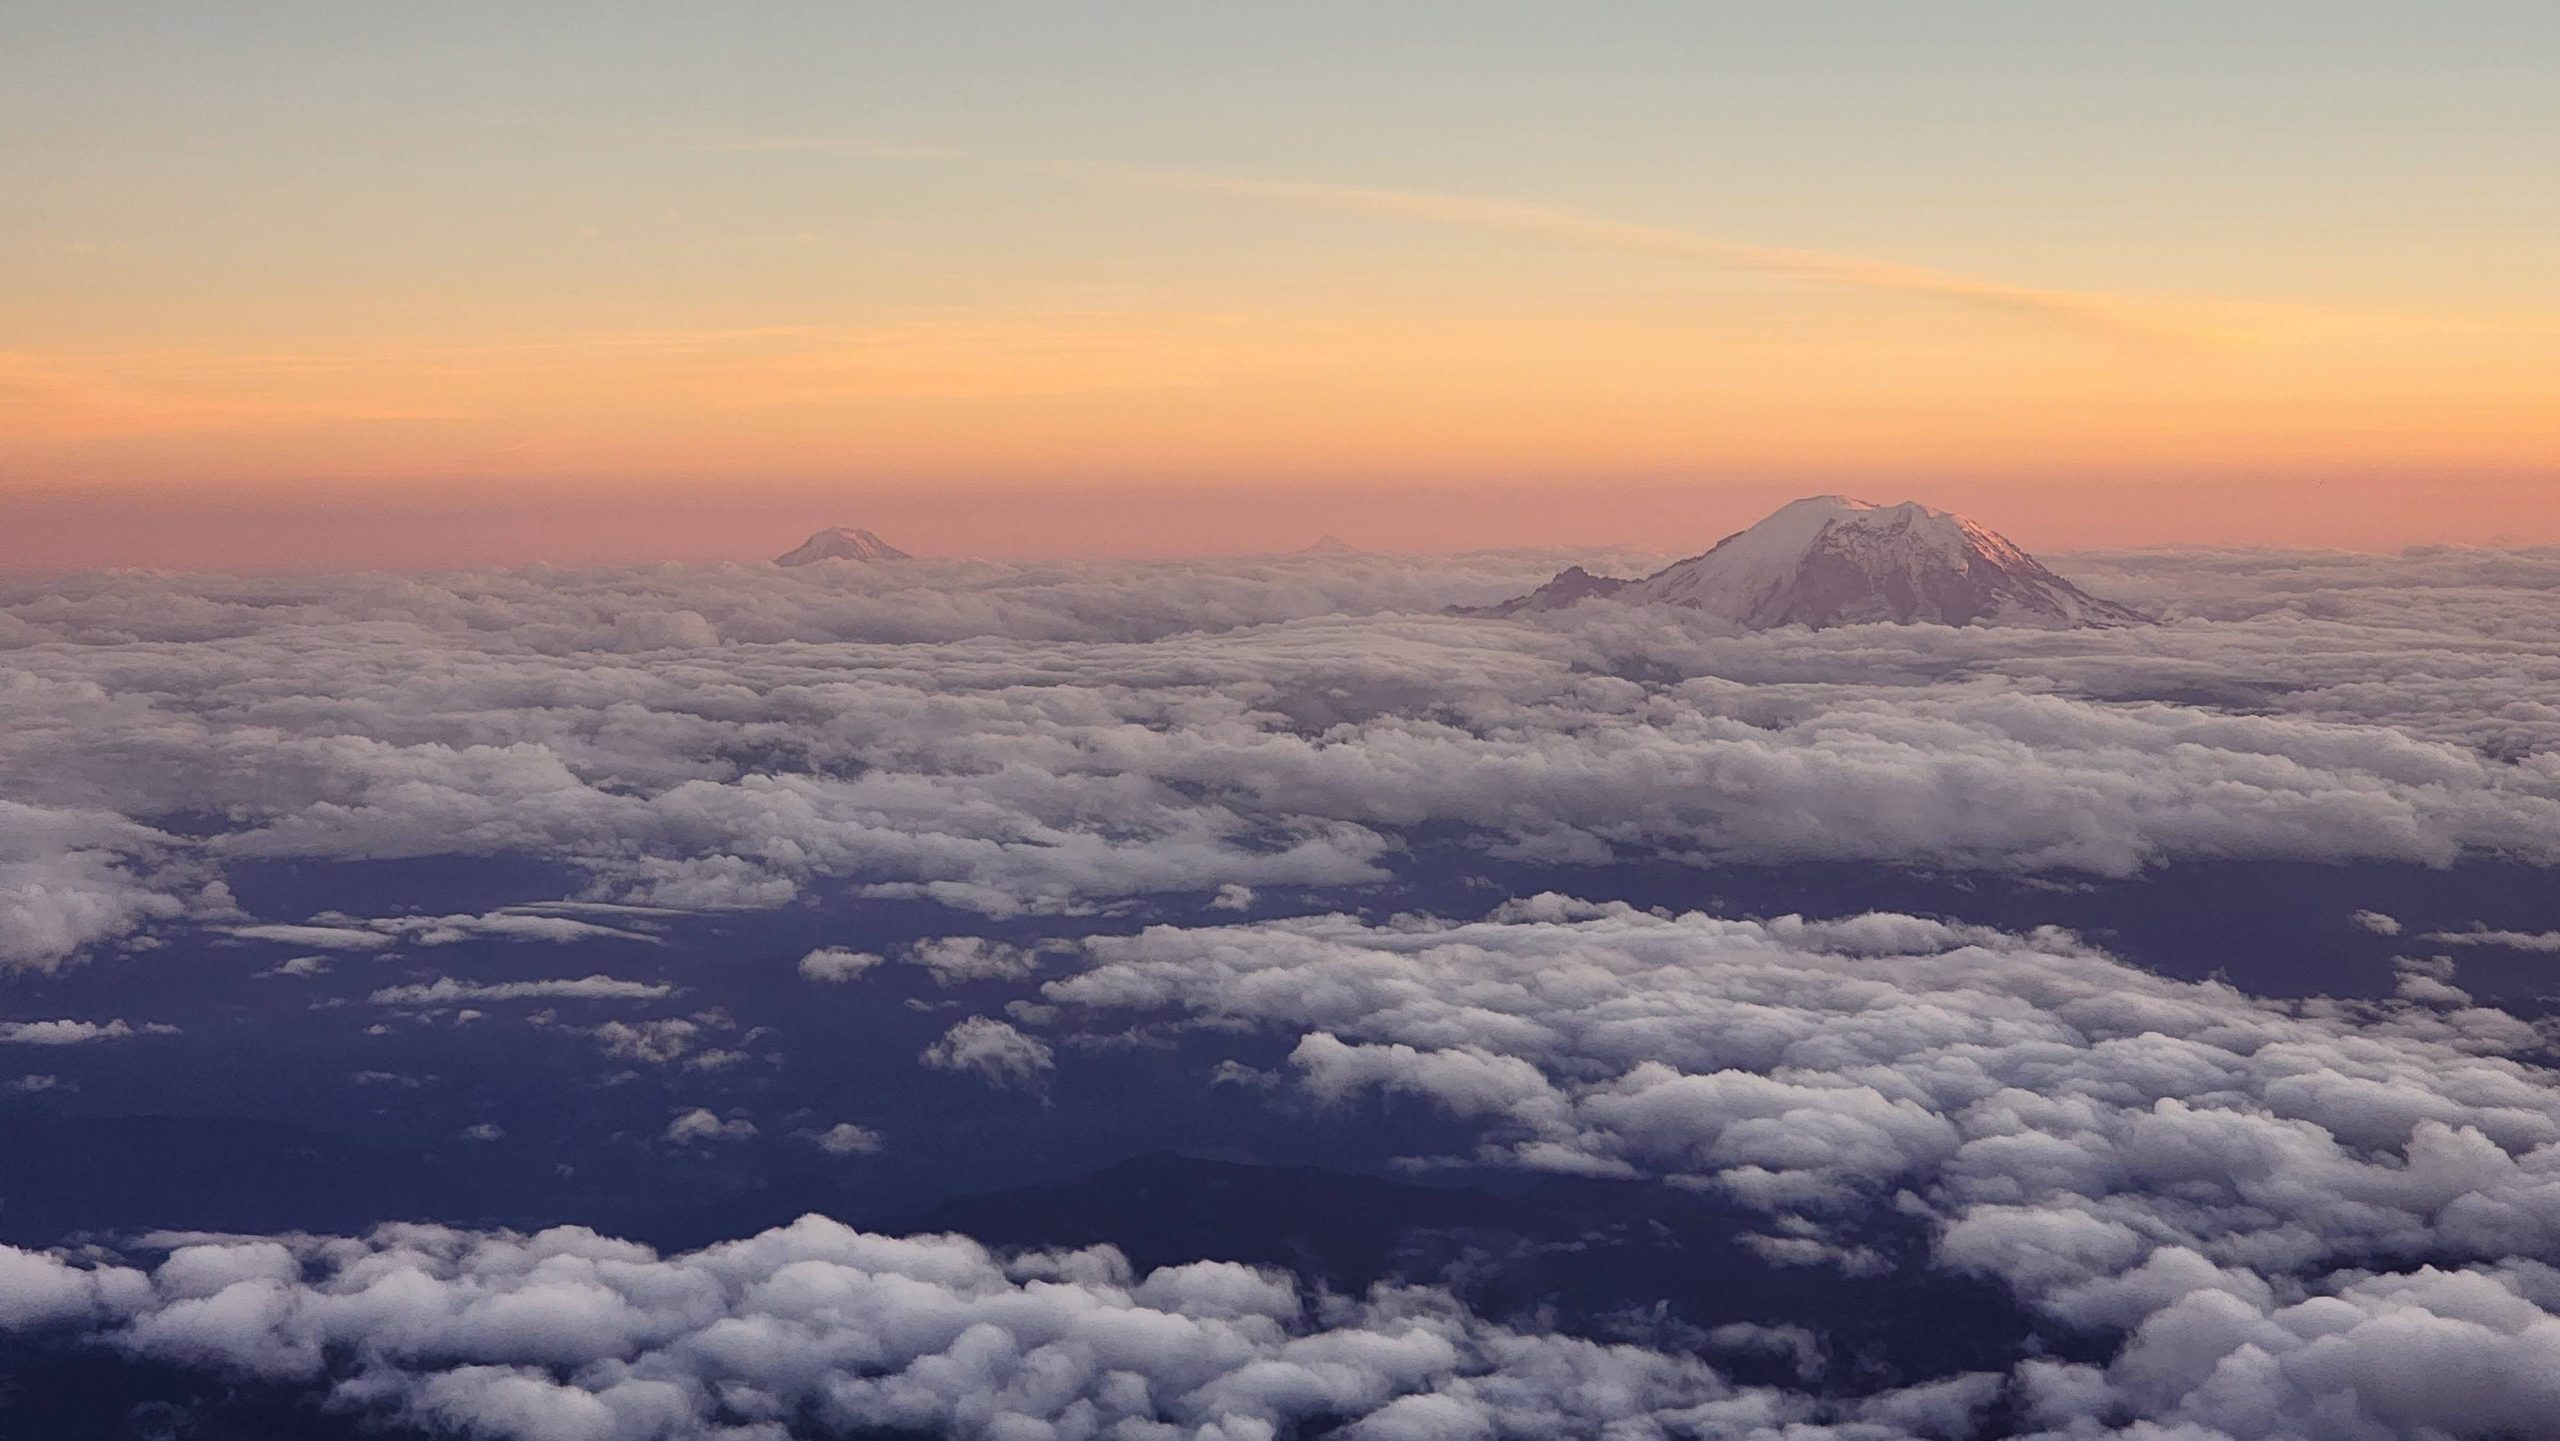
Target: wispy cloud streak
2096, 313
2115, 315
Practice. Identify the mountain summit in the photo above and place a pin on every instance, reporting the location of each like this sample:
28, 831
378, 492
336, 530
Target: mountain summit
1830, 560
843, 542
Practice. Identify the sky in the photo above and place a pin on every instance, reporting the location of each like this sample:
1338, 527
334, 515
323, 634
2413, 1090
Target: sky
298, 285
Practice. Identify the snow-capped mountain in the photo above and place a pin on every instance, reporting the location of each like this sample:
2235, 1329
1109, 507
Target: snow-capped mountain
1830, 560
1329, 544
841, 542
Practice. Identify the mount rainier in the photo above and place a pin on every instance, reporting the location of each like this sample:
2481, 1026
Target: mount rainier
1830, 560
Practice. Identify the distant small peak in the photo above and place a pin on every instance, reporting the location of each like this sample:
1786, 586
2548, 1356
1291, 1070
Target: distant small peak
842, 542
1330, 544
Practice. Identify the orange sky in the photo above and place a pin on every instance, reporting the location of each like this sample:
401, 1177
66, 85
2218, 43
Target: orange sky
1031, 290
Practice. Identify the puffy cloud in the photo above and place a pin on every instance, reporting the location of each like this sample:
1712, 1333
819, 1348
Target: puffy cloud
698, 1125
70, 879
994, 1050
39, 1289
2376, 922
2429, 982
844, 1138
653, 630
665, 1040
297, 968
2109, 1144
954, 960
568, 1334
2472, 1353
836, 964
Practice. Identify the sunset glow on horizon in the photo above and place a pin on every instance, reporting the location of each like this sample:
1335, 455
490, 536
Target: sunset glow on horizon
845, 265
1144, 720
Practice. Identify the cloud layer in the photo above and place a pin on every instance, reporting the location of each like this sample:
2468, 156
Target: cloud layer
1010, 739
2329, 1219
2260, 1202
567, 1336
